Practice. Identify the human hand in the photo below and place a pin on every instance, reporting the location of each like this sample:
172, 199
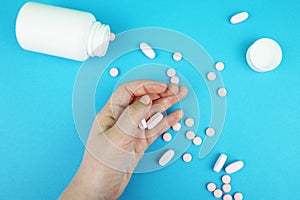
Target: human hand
116, 143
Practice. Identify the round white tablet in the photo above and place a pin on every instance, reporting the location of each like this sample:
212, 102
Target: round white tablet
190, 135
211, 187
238, 196
211, 76
167, 137
174, 80
112, 37
227, 197
219, 66
176, 127
264, 55
226, 187
189, 122
171, 72
218, 193
210, 132
222, 92
177, 56
187, 157
114, 72
197, 140
226, 178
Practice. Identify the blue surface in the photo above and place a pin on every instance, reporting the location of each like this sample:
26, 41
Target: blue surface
40, 150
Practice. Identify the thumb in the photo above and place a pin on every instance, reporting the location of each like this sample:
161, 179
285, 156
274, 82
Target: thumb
131, 117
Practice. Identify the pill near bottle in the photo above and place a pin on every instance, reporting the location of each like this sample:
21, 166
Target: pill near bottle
61, 32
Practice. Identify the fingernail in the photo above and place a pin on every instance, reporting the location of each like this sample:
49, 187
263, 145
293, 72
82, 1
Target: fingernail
145, 100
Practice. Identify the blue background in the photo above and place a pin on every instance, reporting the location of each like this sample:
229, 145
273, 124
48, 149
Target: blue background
40, 150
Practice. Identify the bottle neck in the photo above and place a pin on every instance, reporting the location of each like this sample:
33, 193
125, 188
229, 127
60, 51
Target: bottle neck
98, 39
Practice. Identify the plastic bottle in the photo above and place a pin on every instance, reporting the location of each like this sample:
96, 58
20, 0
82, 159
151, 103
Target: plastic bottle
61, 32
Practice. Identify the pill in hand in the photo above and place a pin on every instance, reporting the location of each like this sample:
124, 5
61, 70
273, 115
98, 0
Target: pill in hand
154, 120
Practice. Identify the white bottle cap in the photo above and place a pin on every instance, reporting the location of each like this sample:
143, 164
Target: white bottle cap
264, 55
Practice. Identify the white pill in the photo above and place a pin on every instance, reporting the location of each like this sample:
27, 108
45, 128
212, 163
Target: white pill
218, 193
114, 72
239, 17
166, 157
220, 163
210, 132
167, 137
226, 187
143, 124
154, 120
147, 50
219, 66
226, 178
174, 80
190, 135
222, 92
264, 55
171, 72
189, 122
197, 141
238, 196
211, 76
211, 187
227, 197
176, 127
177, 56
187, 157
234, 167
112, 37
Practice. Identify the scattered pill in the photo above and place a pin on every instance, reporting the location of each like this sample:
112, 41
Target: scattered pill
219, 66
177, 56
189, 122
222, 92
227, 197
190, 135
210, 132
234, 167
187, 157
211, 76
176, 127
167, 137
143, 124
211, 187
220, 163
154, 120
166, 157
114, 72
226, 187
171, 72
197, 141
238, 196
112, 37
174, 80
218, 193
226, 178
239, 17
147, 50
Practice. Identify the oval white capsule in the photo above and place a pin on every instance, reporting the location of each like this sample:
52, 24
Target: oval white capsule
154, 120
220, 163
238, 18
147, 50
234, 167
166, 157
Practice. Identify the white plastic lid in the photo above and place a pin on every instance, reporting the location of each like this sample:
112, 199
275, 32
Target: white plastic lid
264, 55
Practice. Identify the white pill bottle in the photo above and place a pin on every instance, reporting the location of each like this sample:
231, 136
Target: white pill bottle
61, 32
